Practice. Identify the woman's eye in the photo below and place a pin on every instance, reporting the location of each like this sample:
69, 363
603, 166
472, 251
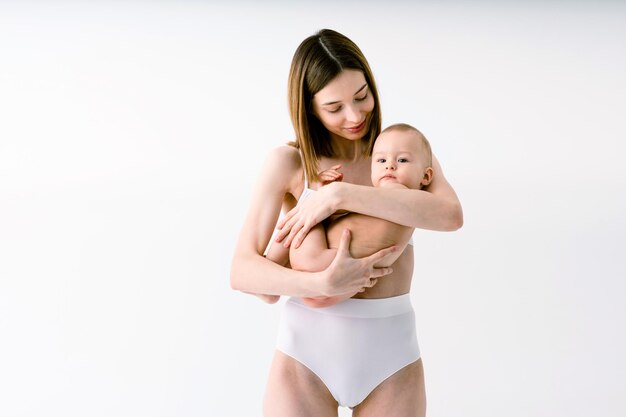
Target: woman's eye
334, 110
361, 98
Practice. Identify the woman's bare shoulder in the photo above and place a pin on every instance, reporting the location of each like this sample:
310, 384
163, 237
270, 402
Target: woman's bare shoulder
287, 155
283, 165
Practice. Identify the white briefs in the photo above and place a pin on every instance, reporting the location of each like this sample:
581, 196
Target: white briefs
352, 346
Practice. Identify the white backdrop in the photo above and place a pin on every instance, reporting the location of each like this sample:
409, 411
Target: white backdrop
131, 134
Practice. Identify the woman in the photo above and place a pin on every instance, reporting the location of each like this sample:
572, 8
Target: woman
336, 115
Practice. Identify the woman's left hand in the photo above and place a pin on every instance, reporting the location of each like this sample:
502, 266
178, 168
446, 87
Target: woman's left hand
297, 223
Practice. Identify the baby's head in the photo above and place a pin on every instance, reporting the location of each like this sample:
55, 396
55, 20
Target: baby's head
401, 158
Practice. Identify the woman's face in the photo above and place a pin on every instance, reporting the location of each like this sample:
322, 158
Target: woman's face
344, 105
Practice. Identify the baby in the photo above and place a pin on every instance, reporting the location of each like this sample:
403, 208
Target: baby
401, 158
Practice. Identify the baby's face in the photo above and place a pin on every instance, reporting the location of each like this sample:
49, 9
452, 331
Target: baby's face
396, 160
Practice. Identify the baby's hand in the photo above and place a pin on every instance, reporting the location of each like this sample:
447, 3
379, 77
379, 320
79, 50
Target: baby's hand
330, 175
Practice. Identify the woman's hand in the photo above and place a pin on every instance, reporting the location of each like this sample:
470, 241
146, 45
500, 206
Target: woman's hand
346, 274
297, 223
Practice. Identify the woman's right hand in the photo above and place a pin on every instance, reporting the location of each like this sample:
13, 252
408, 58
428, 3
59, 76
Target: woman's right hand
346, 274
298, 221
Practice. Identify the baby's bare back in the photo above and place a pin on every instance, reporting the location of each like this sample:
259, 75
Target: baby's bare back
369, 235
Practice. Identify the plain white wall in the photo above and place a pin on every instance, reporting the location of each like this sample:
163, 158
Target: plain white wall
131, 134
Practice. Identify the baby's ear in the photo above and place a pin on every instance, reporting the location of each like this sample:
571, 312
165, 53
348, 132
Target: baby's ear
428, 176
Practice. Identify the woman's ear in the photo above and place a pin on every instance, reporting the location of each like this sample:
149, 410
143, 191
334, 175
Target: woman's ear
428, 176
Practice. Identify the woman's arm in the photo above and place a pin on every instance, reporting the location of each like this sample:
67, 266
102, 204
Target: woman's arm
252, 272
278, 254
436, 207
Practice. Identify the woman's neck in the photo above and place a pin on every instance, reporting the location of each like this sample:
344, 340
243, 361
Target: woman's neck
349, 150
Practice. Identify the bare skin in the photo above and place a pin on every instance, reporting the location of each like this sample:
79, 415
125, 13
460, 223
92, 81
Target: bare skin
402, 394
278, 184
292, 389
400, 160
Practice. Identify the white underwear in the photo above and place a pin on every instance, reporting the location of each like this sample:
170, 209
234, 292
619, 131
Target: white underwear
352, 346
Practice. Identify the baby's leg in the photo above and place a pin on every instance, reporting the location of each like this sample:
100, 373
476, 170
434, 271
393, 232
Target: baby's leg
313, 255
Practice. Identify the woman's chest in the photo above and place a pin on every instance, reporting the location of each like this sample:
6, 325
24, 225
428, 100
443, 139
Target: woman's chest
358, 172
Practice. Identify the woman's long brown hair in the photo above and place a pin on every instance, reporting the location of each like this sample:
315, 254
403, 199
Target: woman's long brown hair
318, 60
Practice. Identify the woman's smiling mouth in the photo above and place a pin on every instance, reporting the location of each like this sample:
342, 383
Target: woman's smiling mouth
357, 128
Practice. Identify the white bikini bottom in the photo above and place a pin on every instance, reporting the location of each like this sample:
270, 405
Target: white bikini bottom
352, 346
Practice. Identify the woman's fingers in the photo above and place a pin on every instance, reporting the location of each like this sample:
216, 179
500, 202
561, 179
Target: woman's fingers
282, 232
302, 234
281, 224
350, 274
295, 229
288, 227
381, 272
300, 237
344, 243
286, 240
380, 255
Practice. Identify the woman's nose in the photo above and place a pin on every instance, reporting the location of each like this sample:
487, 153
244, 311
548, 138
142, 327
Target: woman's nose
353, 114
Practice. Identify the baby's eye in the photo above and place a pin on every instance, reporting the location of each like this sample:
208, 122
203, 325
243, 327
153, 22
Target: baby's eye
402, 160
381, 160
